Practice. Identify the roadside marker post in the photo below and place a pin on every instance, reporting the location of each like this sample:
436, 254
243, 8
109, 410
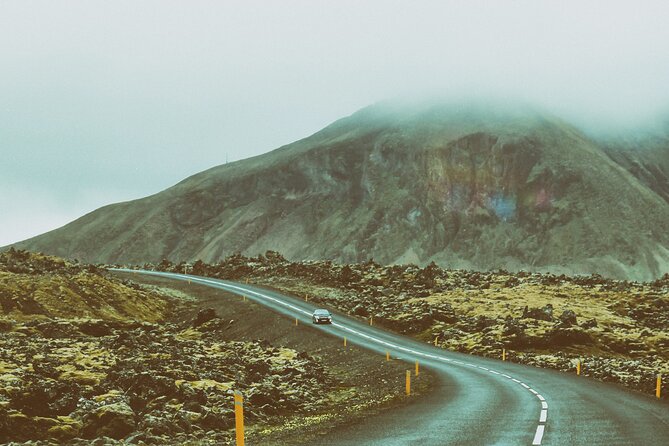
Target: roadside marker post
371, 320
387, 355
503, 354
417, 369
344, 341
408, 382
295, 321
658, 386
578, 367
436, 338
239, 418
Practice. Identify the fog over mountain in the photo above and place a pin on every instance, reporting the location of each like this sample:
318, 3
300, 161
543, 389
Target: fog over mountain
110, 101
465, 184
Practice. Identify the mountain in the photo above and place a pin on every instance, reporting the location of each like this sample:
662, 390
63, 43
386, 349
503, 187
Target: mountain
463, 185
646, 157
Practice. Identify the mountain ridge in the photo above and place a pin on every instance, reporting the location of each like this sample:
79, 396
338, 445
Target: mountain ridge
466, 186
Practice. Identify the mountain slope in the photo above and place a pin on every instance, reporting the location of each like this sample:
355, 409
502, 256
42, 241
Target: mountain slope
462, 185
646, 157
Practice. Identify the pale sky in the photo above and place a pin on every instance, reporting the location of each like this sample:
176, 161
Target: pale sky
106, 101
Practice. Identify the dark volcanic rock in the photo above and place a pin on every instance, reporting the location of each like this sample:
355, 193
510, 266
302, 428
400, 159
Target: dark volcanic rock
542, 314
567, 318
203, 316
561, 337
514, 333
113, 420
590, 323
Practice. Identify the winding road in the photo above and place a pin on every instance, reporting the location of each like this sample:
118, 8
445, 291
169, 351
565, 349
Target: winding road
480, 401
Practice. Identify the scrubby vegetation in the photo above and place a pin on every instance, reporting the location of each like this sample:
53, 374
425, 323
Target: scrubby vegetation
618, 329
136, 381
87, 358
35, 286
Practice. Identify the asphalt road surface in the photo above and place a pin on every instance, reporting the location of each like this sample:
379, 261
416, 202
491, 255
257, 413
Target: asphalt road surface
481, 401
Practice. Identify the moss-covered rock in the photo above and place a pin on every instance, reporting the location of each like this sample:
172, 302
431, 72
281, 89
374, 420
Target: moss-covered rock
113, 420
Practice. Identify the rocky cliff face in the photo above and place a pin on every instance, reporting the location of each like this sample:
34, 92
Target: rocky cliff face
465, 186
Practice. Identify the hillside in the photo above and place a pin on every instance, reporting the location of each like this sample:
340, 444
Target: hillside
88, 358
646, 157
39, 287
466, 186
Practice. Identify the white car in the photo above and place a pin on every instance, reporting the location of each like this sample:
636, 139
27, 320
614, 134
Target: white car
321, 316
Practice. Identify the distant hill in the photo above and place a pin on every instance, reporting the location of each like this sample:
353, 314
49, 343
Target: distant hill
466, 186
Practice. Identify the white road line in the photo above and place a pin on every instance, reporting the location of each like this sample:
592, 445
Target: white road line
534, 391
544, 406
538, 435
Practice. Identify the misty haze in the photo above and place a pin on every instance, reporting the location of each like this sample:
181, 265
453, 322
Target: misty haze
334, 223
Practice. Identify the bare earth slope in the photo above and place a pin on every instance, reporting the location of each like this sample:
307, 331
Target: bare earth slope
465, 186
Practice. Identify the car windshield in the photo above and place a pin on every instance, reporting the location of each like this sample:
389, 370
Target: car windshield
322, 313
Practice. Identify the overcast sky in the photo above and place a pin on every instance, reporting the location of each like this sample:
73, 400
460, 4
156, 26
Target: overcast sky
106, 101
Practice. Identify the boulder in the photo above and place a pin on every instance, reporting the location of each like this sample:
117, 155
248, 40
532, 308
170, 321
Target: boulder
113, 420
204, 315
542, 314
568, 318
590, 323
514, 333
360, 310
95, 328
560, 337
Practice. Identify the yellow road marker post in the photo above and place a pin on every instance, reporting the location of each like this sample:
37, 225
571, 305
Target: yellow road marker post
244, 297
578, 367
658, 386
407, 385
295, 321
387, 355
239, 418
417, 369
436, 339
344, 341
371, 320
503, 354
